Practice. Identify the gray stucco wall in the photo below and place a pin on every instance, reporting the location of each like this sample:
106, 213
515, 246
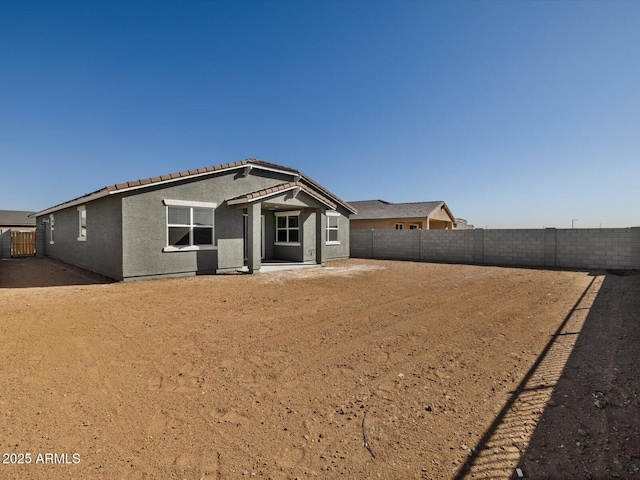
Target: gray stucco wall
336, 252
307, 252
102, 250
307, 228
127, 232
308, 220
144, 225
41, 236
5, 243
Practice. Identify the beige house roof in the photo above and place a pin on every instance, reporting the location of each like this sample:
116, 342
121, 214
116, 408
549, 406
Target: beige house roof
381, 209
16, 218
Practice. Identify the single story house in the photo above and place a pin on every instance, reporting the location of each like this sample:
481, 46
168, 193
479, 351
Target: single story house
382, 215
15, 221
462, 224
209, 220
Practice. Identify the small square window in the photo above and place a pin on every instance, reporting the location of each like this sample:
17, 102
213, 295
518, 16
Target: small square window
203, 216
179, 236
288, 227
333, 220
189, 226
179, 215
203, 236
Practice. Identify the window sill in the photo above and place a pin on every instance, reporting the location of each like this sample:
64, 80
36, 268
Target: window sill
190, 248
333, 243
287, 244
82, 239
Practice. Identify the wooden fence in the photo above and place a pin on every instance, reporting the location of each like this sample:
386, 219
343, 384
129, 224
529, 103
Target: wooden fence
23, 244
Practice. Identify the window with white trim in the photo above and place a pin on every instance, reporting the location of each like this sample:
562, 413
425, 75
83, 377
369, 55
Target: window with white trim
333, 222
399, 226
51, 228
288, 228
190, 225
414, 226
82, 223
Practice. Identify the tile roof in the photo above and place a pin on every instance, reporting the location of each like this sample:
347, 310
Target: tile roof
375, 209
135, 184
16, 218
247, 197
283, 187
197, 172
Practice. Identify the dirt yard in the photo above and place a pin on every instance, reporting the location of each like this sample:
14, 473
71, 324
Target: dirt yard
285, 375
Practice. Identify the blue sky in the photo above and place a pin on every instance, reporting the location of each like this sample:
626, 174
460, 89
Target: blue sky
517, 114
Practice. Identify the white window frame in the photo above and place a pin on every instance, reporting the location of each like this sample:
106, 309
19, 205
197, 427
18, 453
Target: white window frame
191, 205
329, 228
290, 213
51, 229
82, 214
399, 226
414, 226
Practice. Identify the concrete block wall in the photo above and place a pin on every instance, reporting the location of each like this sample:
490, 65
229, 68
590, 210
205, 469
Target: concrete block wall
514, 247
361, 243
434, 245
5, 243
447, 245
575, 248
400, 245
607, 248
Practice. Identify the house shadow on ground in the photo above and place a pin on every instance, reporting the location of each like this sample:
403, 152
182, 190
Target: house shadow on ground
33, 272
576, 414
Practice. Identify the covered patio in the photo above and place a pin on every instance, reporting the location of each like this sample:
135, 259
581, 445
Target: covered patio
285, 226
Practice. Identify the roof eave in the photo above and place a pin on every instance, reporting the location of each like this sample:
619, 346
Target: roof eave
145, 183
76, 201
337, 199
444, 205
244, 200
139, 185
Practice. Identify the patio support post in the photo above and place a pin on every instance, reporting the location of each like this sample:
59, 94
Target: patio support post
254, 211
321, 234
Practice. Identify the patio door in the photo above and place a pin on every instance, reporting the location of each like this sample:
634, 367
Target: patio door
246, 237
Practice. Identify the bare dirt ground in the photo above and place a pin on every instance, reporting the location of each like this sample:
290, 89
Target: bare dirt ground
447, 371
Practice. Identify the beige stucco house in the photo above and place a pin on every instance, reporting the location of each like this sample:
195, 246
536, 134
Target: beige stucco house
382, 215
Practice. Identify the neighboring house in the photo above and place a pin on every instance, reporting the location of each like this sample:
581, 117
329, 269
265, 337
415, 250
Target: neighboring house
201, 221
461, 224
14, 221
381, 215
